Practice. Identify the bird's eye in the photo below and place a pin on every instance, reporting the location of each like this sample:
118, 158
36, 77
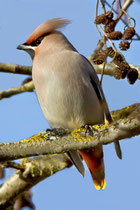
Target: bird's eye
37, 42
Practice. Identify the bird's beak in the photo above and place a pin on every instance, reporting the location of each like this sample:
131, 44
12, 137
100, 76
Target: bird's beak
22, 47
27, 48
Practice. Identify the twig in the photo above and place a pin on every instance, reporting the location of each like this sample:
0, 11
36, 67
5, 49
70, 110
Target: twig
125, 125
111, 4
124, 8
103, 6
127, 15
27, 87
102, 73
15, 69
110, 68
98, 48
14, 165
121, 19
96, 13
102, 38
114, 48
38, 169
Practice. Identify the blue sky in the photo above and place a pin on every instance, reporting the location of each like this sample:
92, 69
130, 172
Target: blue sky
21, 115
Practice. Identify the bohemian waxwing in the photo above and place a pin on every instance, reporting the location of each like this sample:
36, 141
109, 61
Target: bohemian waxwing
68, 90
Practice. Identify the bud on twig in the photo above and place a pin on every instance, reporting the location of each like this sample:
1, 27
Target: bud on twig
119, 73
108, 28
100, 19
100, 57
124, 45
129, 33
104, 18
110, 52
109, 14
132, 76
28, 79
115, 35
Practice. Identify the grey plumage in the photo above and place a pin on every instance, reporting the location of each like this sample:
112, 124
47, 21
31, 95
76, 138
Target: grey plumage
66, 84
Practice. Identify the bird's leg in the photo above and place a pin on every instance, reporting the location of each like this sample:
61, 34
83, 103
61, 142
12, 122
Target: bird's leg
48, 129
88, 127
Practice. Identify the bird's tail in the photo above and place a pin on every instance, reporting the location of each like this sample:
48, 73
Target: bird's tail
77, 161
95, 163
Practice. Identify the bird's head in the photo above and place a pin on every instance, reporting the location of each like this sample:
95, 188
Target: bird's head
43, 30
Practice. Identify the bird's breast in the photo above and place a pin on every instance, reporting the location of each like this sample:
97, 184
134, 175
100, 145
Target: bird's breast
67, 100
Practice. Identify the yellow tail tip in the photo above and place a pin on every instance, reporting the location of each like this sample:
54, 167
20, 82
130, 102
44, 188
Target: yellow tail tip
100, 185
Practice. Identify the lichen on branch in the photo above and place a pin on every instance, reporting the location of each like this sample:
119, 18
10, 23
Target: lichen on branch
36, 170
126, 123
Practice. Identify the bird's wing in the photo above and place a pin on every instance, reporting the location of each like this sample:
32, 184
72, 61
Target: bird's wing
100, 94
76, 160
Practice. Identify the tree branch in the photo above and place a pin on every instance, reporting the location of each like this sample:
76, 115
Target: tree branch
124, 8
125, 125
110, 68
36, 170
27, 87
15, 69
138, 37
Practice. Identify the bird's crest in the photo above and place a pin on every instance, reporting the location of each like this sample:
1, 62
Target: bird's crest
47, 27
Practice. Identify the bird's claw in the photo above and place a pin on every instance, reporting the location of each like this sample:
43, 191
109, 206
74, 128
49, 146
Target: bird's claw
88, 128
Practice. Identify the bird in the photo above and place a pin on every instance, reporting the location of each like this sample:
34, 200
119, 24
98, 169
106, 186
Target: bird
68, 91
